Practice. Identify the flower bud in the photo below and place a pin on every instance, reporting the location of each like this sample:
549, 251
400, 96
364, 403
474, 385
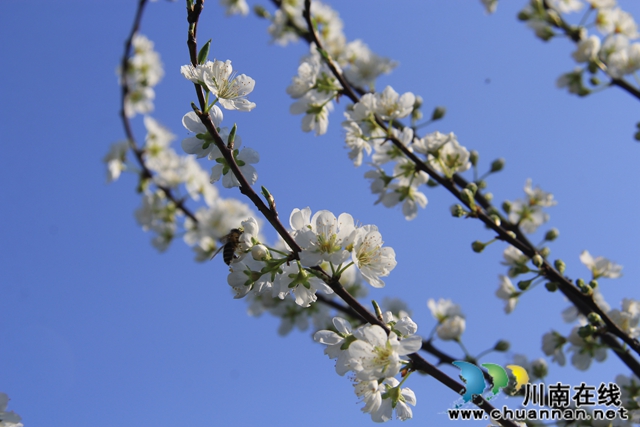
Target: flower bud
551, 286
637, 136
539, 368
511, 234
473, 187
593, 284
488, 196
506, 206
496, 219
497, 165
552, 235
554, 18
261, 12
478, 246
559, 265
473, 157
502, 346
523, 16
259, 253
523, 285
586, 331
457, 211
544, 252
438, 113
594, 319
467, 196
431, 183
482, 184
584, 288
594, 81
537, 260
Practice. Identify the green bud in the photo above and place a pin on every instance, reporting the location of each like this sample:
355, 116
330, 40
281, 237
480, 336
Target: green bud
593, 284
417, 103
593, 68
502, 346
546, 34
232, 137
511, 234
537, 260
637, 136
551, 286
523, 285
488, 196
544, 252
204, 52
559, 265
478, 246
496, 219
457, 211
586, 331
267, 195
497, 165
416, 115
261, 12
506, 206
473, 187
377, 309
523, 16
473, 157
482, 184
467, 196
638, 125
552, 235
554, 18
595, 319
438, 113
431, 183
584, 288
539, 368
594, 81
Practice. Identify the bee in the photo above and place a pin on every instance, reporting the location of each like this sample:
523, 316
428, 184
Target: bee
231, 242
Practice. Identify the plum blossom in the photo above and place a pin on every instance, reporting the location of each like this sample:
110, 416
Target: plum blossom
552, 343
370, 257
507, 292
600, 266
217, 77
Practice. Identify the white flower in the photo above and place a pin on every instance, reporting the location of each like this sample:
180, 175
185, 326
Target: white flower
244, 159
566, 6
587, 49
316, 107
600, 266
451, 329
375, 355
202, 143
490, 5
390, 106
334, 342
584, 350
507, 292
235, 7
370, 257
628, 318
445, 153
552, 343
516, 260
324, 237
616, 21
303, 285
365, 65
308, 72
8, 418
218, 77
528, 213
116, 160
443, 308
381, 399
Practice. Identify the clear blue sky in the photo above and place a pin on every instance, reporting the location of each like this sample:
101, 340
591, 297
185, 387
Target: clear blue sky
98, 329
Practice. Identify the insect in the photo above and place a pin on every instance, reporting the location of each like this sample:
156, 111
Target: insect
231, 242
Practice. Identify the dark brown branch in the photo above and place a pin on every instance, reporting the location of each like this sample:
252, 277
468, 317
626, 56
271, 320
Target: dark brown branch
584, 303
139, 152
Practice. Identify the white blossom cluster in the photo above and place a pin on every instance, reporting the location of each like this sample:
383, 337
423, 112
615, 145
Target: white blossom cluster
451, 321
375, 359
325, 240
8, 418
144, 71
612, 51
527, 213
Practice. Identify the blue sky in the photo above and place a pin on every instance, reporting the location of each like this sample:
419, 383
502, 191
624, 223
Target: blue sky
99, 329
